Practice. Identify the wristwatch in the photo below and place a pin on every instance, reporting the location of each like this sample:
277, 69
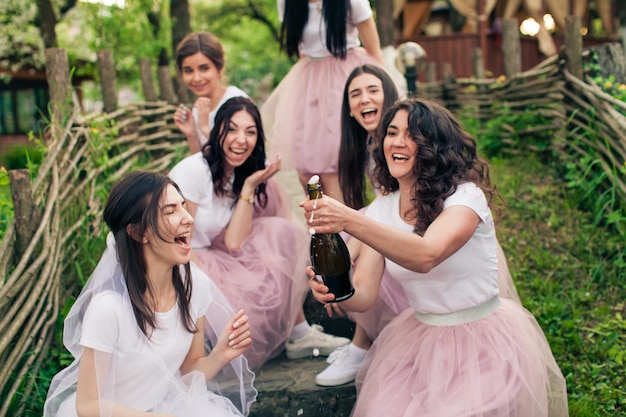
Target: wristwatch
249, 199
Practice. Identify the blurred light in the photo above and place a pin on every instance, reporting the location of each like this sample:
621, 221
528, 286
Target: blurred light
529, 27
548, 22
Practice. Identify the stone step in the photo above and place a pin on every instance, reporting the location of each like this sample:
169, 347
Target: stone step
286, 387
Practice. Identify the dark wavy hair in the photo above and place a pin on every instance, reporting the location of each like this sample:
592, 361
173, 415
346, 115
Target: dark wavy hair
335, 14
204, 42
446, 157
354, 149
214, 154
134, 202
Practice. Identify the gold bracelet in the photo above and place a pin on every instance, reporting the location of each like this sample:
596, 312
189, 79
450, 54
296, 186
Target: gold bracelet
249, 199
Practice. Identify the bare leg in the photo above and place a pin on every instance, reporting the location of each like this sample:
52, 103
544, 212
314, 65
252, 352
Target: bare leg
329, 181
300, 317
360, 339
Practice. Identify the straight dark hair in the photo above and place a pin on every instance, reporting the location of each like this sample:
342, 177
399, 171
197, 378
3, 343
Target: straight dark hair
335, 14
214, 154
134, 203
354, 150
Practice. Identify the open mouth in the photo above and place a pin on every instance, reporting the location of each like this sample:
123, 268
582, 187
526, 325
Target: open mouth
400, 157
369, 115
237, 151
183, 239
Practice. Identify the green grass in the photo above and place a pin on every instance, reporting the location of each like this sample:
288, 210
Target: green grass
570, 274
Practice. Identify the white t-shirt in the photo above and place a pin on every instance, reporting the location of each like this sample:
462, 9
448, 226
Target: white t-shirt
194, 178
468, 278
231, 91
314, 34
139, 382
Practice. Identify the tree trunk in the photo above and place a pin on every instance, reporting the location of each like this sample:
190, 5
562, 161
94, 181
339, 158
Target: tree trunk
47, 22
384, 22
181, 26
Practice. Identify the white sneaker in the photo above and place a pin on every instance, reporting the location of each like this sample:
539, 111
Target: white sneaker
342, 369
314, 343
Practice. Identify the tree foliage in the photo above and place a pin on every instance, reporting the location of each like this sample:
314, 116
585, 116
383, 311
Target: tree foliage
21, 43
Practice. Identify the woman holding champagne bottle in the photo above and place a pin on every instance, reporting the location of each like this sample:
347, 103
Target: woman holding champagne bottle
368, 93
460, 349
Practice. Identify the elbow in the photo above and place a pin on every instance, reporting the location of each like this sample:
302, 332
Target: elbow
423, 268
84, 409
232, 245
427, 265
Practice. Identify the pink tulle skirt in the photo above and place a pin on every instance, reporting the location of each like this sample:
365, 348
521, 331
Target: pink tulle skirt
266, 276
302, 116
497, 366
391, 301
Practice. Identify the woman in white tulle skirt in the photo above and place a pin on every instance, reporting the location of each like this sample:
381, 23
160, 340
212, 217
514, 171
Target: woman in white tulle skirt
460, 349
149, 332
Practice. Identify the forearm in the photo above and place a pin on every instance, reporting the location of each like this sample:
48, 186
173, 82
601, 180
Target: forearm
193, 140
370, 40
404, 248
209, 365
240, 225
99, 408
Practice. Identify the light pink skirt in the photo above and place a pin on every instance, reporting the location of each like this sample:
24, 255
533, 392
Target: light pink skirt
497, 366
391, 301
266, 276
302, 116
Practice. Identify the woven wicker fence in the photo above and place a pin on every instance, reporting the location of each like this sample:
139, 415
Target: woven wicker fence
560, 114
85, 156
69, 192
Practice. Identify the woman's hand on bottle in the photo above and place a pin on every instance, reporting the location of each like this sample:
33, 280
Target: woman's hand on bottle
326, 215
321, 294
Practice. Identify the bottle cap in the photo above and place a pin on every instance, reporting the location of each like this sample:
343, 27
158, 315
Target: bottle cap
314, 180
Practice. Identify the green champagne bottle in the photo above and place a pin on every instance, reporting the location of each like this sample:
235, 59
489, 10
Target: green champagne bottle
330, 257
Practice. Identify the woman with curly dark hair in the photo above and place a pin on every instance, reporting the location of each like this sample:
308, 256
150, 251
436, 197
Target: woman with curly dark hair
461, 349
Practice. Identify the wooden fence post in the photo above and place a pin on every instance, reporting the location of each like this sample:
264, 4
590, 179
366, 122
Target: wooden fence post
58, 77
431, 72
108, 80
479, 65
574, 46
511, 48
165, 82
447, 86
182, 92
24, 207
147, 81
